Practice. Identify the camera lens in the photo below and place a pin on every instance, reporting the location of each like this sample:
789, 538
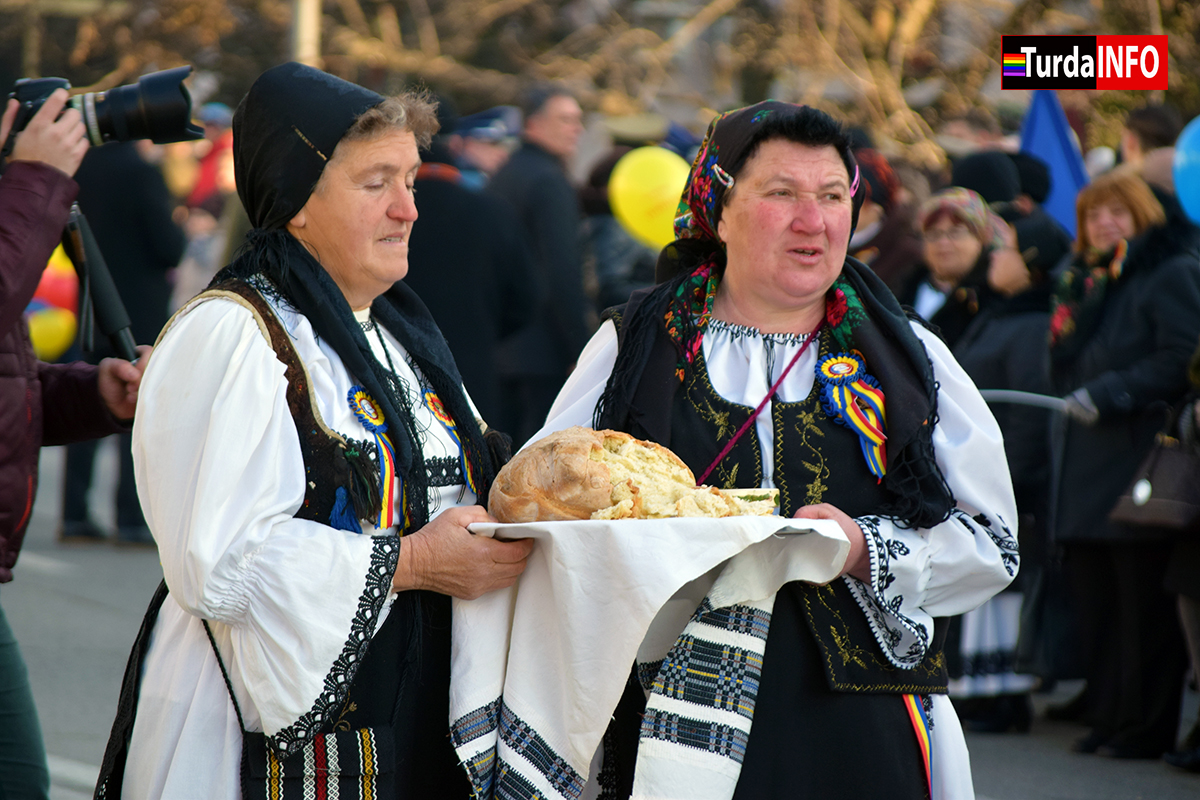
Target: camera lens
157, 107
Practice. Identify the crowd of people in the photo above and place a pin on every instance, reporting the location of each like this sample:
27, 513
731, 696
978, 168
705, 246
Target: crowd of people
376, 299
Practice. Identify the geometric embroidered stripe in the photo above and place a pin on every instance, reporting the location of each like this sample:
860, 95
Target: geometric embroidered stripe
385, 551
647, 671
471, 726
738, 619
274, 777
481, 771
722, 740
331, 759
366, 750
711, 675
513, 786
523, 740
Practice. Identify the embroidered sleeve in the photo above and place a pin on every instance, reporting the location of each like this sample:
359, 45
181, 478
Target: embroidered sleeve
220, 475
949, 569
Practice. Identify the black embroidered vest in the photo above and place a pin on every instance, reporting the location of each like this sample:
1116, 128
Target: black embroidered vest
324, 450
815, 461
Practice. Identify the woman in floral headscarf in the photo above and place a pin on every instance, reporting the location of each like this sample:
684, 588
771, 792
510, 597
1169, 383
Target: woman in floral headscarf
866, 419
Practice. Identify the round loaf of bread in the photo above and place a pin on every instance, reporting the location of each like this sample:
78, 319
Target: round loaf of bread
577, 472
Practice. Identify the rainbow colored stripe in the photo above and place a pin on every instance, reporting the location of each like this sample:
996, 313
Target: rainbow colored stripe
371, 417
1014, 65
387, 477
920, 723
856, 400
438, 409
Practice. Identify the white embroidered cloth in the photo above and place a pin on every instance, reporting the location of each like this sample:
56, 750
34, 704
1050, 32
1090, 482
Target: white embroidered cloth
537, 669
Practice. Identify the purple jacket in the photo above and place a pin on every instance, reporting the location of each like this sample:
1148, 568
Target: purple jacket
39, 403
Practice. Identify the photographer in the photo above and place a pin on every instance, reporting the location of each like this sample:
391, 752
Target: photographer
40, 403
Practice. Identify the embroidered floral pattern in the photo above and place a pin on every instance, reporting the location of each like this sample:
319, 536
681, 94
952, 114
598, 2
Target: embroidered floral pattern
337, 681
692, 301
904, 640
1004, 540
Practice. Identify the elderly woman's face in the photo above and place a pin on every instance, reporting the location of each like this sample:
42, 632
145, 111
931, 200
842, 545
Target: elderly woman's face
951, 248
359, 219
1108, 223
786, 225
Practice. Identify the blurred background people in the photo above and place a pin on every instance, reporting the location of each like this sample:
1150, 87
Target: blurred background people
1004, 348
534, 362
129, 209
619, 263
991, 174
480, 143
615, 263
1183, 581
958, 232
469, 263
884, 239
1148, 143
211, 190
1042, 241
1125, 320
209, 209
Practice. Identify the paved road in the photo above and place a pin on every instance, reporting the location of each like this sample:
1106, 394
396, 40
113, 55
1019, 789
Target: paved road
76, 611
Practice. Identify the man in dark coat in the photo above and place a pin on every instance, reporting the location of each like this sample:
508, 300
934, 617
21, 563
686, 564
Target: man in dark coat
40, 404
534, 363
469, 262
128, 208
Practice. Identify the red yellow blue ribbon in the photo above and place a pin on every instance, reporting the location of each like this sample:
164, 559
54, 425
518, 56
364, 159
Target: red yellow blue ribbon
438, 409
854, 399
920, 723
390, 484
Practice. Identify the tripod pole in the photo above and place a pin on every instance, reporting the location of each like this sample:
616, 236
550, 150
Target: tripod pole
111, 316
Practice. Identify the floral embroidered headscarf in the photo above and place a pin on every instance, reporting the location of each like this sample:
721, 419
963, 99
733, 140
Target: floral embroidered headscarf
730, 140
699, 254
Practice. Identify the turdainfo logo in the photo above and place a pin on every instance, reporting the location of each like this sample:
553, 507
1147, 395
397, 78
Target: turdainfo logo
1083, 62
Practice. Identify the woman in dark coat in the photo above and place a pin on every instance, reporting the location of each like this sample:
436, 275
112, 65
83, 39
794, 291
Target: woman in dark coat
959, 232
1125, 321
1000, 350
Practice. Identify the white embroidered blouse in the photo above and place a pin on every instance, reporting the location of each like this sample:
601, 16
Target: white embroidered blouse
220, 476
915, 574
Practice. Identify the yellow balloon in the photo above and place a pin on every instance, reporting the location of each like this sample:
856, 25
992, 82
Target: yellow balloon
644, 192
51, 331
59, 262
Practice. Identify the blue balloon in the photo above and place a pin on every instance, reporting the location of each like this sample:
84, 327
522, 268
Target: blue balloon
1187, 169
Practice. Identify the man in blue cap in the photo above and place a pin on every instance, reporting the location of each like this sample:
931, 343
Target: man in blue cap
482, 142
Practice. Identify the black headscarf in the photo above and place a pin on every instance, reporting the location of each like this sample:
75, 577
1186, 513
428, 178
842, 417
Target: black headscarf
284, 133
880, 331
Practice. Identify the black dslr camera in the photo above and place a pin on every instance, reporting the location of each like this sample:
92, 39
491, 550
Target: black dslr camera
157, 107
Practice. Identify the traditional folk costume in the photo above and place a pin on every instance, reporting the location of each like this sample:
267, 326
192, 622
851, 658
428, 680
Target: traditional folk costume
284, 444
874, 417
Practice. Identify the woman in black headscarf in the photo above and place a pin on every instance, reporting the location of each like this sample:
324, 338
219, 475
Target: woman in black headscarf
299, 418
866, 419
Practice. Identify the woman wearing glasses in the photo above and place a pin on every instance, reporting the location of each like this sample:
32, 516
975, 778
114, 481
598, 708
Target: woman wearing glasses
959, 233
